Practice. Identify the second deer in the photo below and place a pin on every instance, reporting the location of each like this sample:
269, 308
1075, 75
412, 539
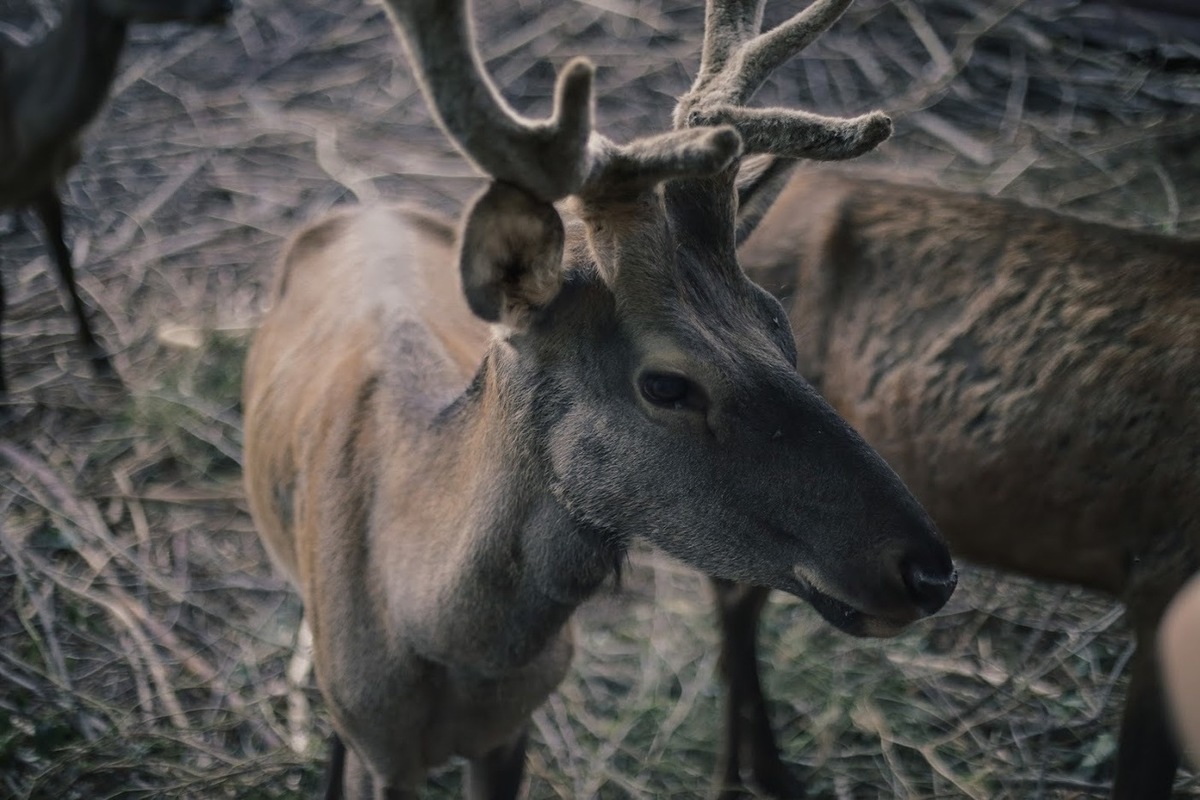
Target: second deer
1035, 380
444, 495
49, 92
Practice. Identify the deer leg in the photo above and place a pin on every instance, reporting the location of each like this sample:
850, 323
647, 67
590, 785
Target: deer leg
3, 385
1147, 754
497, 775
747, 725
356, 783
359, 782
335, 776
49, 210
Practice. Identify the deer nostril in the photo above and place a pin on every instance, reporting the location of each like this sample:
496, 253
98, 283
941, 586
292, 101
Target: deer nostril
929, 591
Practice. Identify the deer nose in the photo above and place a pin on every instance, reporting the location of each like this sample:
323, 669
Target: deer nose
928, 589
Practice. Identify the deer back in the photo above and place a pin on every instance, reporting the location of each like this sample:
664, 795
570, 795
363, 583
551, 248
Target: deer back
322, 355
1023, 371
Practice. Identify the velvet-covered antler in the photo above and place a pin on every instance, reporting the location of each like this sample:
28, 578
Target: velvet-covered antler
550, 158
735, 62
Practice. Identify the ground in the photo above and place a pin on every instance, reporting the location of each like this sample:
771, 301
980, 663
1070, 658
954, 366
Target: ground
146, 642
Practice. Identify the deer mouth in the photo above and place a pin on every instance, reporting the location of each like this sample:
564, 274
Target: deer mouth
844, 616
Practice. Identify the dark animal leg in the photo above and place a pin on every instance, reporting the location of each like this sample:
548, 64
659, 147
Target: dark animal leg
349, 778
497, 776
1147, 755
3, 385
49, 210
747, 725
335, 777
358, 783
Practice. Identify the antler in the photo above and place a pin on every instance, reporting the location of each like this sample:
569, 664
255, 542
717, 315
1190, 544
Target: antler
547, 158
735, 62
552, 158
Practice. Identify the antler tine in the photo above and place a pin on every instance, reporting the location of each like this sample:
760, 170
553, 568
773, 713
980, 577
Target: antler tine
736, 62
727, 25
643, 163
765, 53
550, 158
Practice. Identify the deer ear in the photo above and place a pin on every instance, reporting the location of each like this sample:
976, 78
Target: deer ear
760, 179
511, 251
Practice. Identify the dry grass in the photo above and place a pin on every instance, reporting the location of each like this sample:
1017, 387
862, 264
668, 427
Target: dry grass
145, 641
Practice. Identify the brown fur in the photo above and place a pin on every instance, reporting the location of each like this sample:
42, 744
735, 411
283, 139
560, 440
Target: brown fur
1033, 378
444, 499
442, 527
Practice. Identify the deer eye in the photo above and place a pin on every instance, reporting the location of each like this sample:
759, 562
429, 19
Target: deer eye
665, 390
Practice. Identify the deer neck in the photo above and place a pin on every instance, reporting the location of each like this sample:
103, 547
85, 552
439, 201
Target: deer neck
515, 565
60, 83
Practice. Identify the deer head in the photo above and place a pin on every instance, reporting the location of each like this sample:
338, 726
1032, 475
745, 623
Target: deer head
651, 382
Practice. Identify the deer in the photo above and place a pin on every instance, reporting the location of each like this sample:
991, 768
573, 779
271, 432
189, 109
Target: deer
1032, 377
49, 92
447, 462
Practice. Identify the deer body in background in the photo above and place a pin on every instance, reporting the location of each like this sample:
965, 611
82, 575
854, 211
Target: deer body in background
444, 494
1034, 379
49, 92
